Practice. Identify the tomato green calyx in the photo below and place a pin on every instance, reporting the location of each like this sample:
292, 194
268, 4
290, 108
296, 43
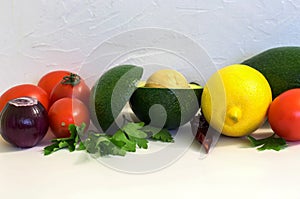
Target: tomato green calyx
72, 79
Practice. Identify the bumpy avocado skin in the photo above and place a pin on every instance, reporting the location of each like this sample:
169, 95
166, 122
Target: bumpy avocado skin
111, 93
280, 66
179, 105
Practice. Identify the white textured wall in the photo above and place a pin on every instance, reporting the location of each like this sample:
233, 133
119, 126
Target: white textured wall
37, 35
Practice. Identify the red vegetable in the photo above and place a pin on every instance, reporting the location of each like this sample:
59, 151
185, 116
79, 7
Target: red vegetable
51, 79
28, 90
71, 86
24, 122
284, 115
67, 111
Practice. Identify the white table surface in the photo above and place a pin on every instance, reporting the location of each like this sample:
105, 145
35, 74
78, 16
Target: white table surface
232, 170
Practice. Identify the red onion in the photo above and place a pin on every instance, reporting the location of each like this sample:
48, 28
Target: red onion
24, 122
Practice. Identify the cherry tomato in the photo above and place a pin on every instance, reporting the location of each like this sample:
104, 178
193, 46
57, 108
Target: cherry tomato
72, 86
25, 90
64, 112
51, 79
284, 115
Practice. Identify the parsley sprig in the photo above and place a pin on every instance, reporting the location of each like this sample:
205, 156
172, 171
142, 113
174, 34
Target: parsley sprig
269, 143
70, 142
127, 139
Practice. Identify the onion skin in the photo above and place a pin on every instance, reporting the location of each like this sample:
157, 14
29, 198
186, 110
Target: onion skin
24, 122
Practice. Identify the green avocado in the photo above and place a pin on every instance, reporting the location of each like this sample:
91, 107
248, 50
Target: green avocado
280, 66
111, 93
165, 107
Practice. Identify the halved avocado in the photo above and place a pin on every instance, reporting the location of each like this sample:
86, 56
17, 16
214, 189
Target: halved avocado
111, 93
165, 107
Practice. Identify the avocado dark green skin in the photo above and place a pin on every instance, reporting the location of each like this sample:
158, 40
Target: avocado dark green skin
280, 66
180, 105
111, 93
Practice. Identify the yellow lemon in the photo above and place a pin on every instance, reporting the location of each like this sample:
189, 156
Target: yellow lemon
236, 99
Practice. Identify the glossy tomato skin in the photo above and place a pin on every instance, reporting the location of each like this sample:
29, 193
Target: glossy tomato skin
64, 112
80, 91
51, 79
25, 90
284, 115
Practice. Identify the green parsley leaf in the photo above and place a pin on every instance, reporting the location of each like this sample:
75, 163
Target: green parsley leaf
100, 144
69, 142
126, 139
81, 146
159, 134
269, 143
140, 142
121, 140
163, 135
133, 129
92, 141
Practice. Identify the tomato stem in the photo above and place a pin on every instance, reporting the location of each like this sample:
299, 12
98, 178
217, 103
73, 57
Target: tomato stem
72, 79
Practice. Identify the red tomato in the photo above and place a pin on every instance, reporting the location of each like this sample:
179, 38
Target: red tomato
71, 86
51, 79
64, 112
22, 90
284, 115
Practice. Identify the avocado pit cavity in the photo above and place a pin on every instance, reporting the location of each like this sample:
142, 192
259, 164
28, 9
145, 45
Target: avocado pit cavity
167, 78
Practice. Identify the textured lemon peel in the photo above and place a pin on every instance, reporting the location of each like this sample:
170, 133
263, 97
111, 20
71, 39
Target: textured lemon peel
241, 87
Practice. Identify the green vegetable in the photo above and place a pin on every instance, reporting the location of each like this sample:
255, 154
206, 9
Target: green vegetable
126, 139
280, 66
163, 135
70, 142
134, 130
178, 105
100, 144
270, 143
159, 134
111, 93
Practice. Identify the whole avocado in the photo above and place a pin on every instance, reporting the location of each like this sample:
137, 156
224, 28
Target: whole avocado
280, 66
111, 93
